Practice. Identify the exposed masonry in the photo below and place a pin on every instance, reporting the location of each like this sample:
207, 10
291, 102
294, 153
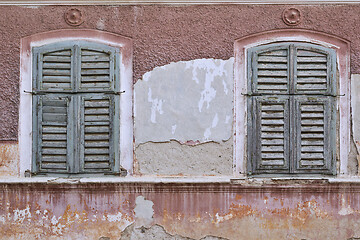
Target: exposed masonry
155, 232
185, 101
173, 158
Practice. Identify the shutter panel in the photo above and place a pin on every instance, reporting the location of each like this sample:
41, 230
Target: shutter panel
270, 70
314, 70
314, 139
271, 134
76, 117
55, 70
97, 70
53, 133
97, 133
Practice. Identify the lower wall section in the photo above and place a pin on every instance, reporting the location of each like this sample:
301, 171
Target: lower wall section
179, 211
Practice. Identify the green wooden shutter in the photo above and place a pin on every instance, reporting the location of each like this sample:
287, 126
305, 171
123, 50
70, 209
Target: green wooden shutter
76, 108
53, 134
291, 84
270, 70
314, 70
269, 143
55, 66
97, 68
315, 138
99, 143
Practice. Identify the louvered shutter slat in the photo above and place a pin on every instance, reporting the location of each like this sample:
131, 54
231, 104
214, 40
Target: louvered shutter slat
270, 71
96, 70
311, 71
53, 134
314, 124
271, 135
97, 133
55, 70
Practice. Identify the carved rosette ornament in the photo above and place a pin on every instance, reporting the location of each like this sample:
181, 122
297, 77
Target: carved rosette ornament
74, 17
291, 16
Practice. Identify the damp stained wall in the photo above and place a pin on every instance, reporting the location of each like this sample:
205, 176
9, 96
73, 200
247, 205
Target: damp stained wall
183, 118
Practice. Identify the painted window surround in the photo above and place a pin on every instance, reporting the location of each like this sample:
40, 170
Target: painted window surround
25, 109
342, 48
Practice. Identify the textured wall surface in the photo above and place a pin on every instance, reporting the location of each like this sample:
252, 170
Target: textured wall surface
179, 211
161, 35
182, 76
9, 159
173, 158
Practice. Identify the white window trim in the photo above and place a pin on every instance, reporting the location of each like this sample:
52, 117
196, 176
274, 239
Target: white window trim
342, 48
126, 84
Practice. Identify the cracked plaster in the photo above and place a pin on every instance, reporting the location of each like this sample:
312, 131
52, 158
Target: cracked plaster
185, 101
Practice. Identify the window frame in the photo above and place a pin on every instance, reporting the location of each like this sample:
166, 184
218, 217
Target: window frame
126, 98
342, 48
291, 99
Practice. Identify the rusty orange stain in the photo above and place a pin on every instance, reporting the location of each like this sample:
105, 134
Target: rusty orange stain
238, 197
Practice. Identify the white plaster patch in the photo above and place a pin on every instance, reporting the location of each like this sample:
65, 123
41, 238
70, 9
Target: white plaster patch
355, 107
173, 129
345, 208
227, 119
114, 217
100, 24
185, 101
144, 208
220, 219
3, 218
21, 215
156, 106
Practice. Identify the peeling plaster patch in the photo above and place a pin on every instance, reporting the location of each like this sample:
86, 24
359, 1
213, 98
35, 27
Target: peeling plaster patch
173, 129
355, 107
195, 96
156, 106
21, 215
144, 208
202, 159
227, 119
345, 208
9, 158
100, 24
115, 217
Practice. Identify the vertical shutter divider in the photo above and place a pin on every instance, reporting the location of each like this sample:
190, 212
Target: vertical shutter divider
292, 109
116, 114
70, 134
35, 122
77, 113
82, 134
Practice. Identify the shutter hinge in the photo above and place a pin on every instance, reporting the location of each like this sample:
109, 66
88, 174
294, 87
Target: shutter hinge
335, 95
118, 93
28, 173
122, 173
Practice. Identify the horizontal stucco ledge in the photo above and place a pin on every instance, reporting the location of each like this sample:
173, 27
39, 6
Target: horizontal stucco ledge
180, 180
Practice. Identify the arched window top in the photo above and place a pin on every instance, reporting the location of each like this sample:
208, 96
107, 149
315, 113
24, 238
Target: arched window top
291, 68
76, 66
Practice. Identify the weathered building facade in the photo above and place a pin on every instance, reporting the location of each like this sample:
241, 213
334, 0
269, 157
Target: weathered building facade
233, 120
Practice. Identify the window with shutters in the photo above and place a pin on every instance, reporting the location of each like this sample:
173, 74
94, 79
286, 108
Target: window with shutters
291, 109
75, 108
